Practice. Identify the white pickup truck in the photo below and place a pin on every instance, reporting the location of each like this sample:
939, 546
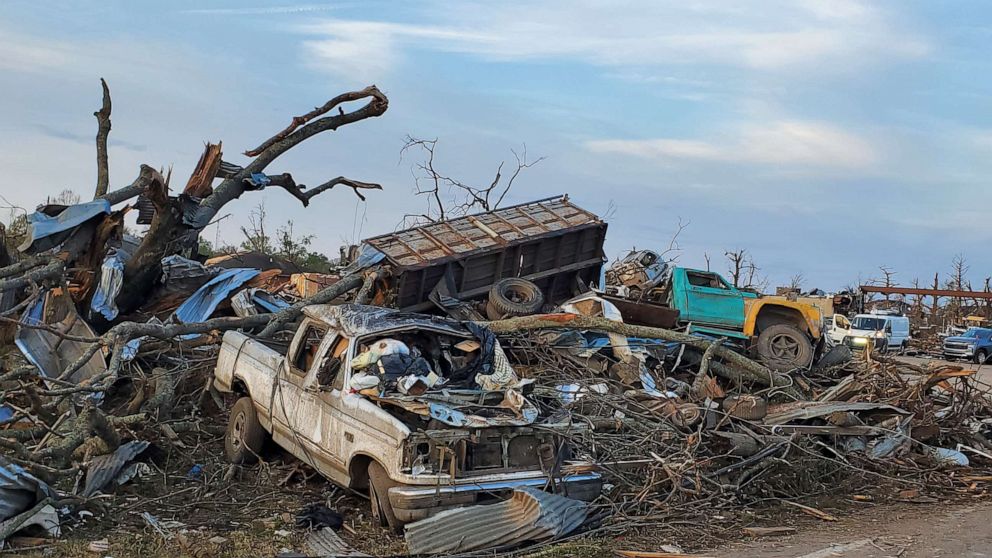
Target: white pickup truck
415, 454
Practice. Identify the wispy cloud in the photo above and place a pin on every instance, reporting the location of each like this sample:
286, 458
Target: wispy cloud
786, 142
265, 10
765, 36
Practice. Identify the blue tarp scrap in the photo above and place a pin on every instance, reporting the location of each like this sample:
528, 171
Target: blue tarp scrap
202, 304
111, 281
43, 230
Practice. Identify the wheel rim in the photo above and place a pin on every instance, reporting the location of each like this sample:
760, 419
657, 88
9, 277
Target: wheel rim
785, 347
982, 357
237, 430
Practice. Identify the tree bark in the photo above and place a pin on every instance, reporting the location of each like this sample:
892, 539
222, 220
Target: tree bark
102, 133
144, 267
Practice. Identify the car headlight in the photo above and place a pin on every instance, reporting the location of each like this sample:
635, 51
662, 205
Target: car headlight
860, 340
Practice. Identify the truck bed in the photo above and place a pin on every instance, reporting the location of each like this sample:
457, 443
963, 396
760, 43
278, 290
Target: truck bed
256, 362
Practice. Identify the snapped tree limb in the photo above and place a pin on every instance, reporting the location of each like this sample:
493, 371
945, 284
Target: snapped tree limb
102, 133
753, 371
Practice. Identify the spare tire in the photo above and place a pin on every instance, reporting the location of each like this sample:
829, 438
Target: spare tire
514, 297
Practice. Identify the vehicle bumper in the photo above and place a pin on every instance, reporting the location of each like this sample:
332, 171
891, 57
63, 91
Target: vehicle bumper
853, 343
958, 353
411, 503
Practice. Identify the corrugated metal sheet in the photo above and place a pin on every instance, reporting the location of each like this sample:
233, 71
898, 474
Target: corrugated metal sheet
325, 543
529, 515
438, 242
105, 468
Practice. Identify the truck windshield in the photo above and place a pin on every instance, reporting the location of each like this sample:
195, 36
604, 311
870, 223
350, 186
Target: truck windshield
865, 322
972, 332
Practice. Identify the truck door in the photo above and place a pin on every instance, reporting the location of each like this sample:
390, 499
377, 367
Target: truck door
840, 328
330, 379
709, 299
294, 400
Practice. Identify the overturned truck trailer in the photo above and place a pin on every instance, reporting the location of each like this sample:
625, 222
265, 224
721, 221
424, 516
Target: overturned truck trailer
551, 242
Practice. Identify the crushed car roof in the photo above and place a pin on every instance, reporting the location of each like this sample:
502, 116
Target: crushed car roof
354, 320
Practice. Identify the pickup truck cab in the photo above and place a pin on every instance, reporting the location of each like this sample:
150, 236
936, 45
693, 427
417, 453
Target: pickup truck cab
784, 334
415, 454
974, 344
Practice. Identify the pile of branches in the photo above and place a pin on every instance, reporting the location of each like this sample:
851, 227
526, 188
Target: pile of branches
684, 459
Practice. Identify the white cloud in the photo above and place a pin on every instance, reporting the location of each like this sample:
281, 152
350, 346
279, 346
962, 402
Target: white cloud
783, 142
364, 51
765, 36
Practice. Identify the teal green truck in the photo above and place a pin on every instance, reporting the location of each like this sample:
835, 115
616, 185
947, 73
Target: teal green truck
783, 334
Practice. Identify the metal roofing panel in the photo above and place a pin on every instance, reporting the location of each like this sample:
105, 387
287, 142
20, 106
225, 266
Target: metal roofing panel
464, 236
529, 515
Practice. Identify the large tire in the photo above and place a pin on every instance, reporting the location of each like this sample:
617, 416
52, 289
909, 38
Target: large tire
382, 510
784, 347
982, 356
245, 435
514, 297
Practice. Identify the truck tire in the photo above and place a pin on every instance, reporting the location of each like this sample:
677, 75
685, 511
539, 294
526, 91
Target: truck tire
514, 297
981, 357
784, 347
836, 356
382, 510
245, 435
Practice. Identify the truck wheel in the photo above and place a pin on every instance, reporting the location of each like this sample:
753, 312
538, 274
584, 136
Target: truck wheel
783, 347
981, 357
245, 435
514, 297
382, 510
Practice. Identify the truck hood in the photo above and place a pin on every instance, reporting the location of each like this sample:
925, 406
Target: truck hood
959, 339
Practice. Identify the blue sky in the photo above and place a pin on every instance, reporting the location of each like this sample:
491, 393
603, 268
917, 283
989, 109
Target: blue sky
827, 137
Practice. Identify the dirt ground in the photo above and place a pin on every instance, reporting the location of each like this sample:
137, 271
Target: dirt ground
908, 531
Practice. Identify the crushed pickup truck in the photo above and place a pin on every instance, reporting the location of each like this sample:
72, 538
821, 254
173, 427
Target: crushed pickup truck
424, 412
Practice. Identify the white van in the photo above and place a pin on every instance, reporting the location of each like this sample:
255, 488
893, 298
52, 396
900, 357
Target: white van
888, 332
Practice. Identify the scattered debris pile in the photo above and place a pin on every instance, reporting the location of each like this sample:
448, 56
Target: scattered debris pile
533, 373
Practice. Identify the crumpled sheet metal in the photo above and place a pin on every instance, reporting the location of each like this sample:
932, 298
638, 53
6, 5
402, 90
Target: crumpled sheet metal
529, 515
177, 267
111, 281
39, 346
356, 320
367, 257
325, 543
524, 412
44, 230
19, 490
248, 302
105, 469
200, 306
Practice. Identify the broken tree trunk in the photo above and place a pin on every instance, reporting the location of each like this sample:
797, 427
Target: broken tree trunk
750, 370
102, 133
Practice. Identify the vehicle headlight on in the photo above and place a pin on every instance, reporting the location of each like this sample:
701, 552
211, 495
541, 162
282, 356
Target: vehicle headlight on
860, 340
